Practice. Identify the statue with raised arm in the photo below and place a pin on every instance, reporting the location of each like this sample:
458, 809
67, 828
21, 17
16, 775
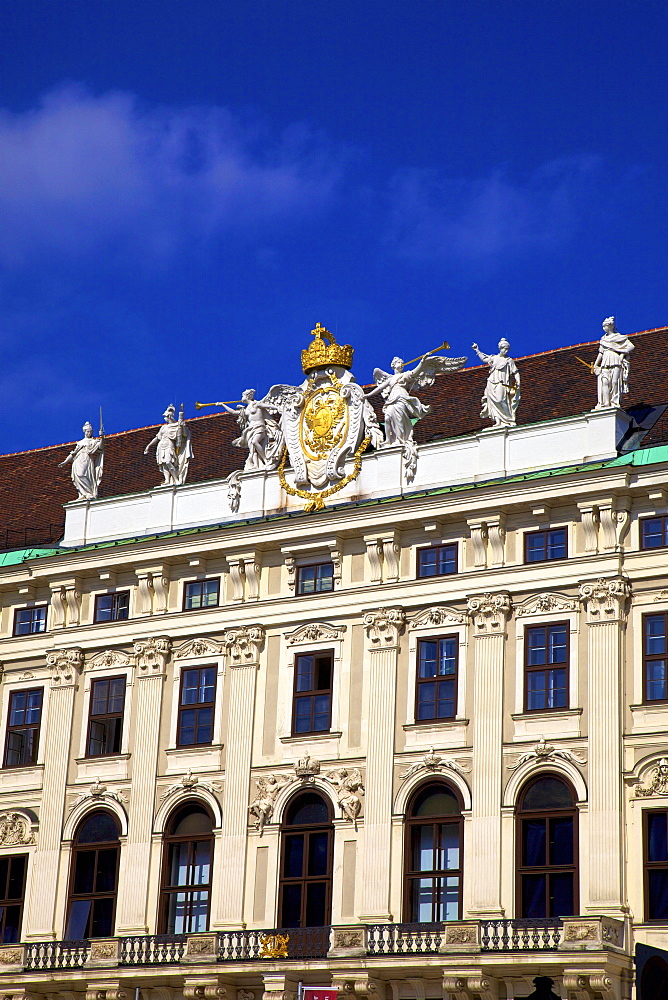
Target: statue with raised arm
173, 448
402, 410
612, 365
501, 397
87, 458
261, 433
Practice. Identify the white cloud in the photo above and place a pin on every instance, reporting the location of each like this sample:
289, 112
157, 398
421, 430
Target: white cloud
432, 216
82, 171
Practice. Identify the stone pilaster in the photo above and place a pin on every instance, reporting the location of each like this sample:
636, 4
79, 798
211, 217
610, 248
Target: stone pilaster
383, 628
151, 658
489, 614
243, 646
65, 665
605, 603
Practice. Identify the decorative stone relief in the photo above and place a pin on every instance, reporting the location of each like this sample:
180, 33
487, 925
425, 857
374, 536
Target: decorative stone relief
57, 605
478, 531
188, 782
109, 658
467, 934
152, 653
546, 603
349, 789
659, 783
244, 644
245, 995
585, 985
605, 600
262, 806
384, 626
438, 616
663, 596
374, 549
16, 830
590, 522
476, 987
316, 632
391, 557
202, 646
64, 665
490, 612
307, 768
432, 762
106, 992
348, 939
233, 482
615, 517
545, 751
99, 791
11, 956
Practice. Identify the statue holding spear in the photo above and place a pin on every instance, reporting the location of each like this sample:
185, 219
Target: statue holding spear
87, 458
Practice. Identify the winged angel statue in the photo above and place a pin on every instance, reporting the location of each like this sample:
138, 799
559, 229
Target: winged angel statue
402, 410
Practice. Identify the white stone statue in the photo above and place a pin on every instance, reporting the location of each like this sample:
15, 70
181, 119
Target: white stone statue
401, 410
262, 807
173, 448
612, 365
87, 458
260, 432
502, 391
349, 787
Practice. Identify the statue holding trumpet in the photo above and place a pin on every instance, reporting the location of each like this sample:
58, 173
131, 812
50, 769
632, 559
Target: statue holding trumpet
260, 431
401, 409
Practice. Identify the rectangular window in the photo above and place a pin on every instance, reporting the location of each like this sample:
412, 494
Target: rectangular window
543, 546
201, 594
196, 706
12, 889
439, 560
315, 579
436, 696
112, 607
105, 719
655, 658
546, 667
25, 715
312, 711
656, 865
654, 532
30, 620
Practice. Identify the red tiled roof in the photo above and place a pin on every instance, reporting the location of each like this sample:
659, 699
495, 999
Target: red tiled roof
554, 384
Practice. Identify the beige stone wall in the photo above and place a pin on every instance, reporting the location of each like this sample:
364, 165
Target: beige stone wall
618, 739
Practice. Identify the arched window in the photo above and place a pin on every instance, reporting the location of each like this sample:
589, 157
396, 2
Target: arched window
307, 837
93, 878
547, 849
186, 873
434, 841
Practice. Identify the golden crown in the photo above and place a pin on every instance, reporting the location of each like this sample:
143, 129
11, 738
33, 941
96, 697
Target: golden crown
319, 354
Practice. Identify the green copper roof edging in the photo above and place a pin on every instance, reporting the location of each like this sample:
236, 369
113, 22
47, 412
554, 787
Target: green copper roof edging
642, 456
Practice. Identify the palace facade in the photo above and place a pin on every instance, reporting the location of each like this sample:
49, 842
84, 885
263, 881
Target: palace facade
411, 745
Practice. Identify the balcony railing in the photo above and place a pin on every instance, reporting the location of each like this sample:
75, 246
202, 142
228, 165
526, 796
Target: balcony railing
152, 949
45, 955
304, 943
404, 939
519, 935
293, 942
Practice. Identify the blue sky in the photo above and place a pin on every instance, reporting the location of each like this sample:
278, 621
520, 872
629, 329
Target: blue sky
188, 186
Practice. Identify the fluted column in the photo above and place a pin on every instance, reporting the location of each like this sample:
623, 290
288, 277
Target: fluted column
151, 658
489, 614
605, 603
243, 647
43, 878
383, 628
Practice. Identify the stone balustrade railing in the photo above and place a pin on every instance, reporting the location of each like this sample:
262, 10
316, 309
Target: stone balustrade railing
350, 941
